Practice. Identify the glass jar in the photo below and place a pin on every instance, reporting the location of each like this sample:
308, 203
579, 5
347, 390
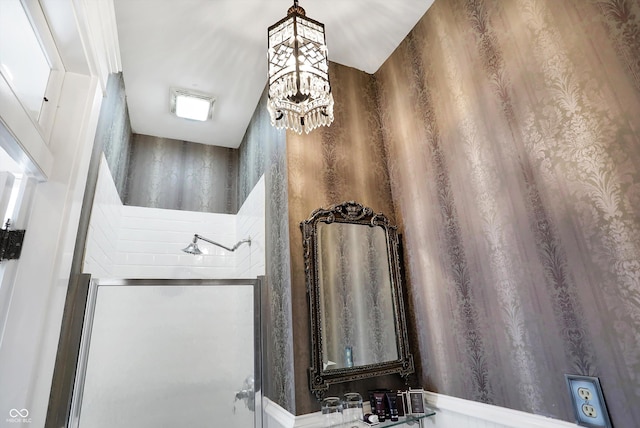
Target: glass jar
332, 411
352, 407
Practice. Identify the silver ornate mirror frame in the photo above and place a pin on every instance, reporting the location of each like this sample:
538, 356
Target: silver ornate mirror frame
351, 212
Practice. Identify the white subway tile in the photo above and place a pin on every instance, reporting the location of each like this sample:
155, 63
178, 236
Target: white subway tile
140, 259
139, 242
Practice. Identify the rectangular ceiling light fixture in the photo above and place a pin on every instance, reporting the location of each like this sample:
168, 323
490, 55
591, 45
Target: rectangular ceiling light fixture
191, 105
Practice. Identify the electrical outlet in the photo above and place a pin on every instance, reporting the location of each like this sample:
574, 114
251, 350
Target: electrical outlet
585, 394
588, 402
589, 411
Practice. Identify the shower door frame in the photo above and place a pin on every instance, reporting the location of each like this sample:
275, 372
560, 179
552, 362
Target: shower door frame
83, 354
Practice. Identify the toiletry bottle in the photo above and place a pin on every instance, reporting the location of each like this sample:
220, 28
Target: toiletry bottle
400, 402
392, 406
380, 405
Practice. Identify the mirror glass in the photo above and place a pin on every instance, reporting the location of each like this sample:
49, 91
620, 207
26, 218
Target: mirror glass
352, 270
356, 300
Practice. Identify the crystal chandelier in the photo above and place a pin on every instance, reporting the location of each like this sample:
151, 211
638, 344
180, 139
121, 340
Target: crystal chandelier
299, 91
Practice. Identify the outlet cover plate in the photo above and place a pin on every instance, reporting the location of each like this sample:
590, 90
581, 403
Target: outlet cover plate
586, 393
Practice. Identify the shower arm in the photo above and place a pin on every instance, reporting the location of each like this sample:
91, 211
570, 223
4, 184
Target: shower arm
235, 247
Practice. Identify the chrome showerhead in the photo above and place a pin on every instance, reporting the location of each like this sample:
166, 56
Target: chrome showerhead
192, 248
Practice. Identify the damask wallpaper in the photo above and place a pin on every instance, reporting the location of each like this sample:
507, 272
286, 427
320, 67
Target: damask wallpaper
343, 162
180, 175
114, 131
263, 151
512, 131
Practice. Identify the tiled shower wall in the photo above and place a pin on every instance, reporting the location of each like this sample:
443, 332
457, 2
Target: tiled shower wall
140, 242
101, 248
250, 222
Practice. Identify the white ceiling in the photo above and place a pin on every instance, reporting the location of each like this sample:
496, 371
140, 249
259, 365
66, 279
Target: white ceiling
219, 47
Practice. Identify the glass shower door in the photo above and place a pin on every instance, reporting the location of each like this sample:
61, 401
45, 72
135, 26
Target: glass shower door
169, 354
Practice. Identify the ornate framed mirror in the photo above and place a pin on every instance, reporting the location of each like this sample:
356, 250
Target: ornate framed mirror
352, 269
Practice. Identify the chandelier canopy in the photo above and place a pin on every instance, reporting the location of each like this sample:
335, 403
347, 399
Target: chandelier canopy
299, 91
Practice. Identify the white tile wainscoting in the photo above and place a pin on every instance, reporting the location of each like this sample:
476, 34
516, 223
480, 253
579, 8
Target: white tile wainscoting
451, 412
138, 242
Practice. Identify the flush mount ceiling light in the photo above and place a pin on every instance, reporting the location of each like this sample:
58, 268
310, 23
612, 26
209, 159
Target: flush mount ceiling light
191, 105
299, 91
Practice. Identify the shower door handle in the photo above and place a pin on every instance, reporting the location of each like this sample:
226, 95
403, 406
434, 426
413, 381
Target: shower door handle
247, 393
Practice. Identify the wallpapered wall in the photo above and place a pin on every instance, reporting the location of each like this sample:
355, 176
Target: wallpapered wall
263, 151
115, 131
180, 175
163, 173
343, 162
159, 172
514, 155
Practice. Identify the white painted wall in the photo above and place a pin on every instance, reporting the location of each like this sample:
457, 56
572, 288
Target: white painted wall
137, 242
30, 338
58, 156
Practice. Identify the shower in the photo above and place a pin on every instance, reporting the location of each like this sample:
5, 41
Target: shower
126, 377
192, 248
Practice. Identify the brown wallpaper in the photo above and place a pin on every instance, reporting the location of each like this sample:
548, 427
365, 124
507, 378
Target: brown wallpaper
263, 151
345, 161
114, 130
181, 175
514, 156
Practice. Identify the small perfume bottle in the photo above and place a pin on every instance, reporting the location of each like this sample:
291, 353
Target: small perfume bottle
348, 356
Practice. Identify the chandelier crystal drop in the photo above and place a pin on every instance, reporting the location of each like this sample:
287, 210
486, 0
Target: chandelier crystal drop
299, 92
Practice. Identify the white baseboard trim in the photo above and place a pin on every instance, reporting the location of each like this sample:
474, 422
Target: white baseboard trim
501, 416
275, 416
278, 417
